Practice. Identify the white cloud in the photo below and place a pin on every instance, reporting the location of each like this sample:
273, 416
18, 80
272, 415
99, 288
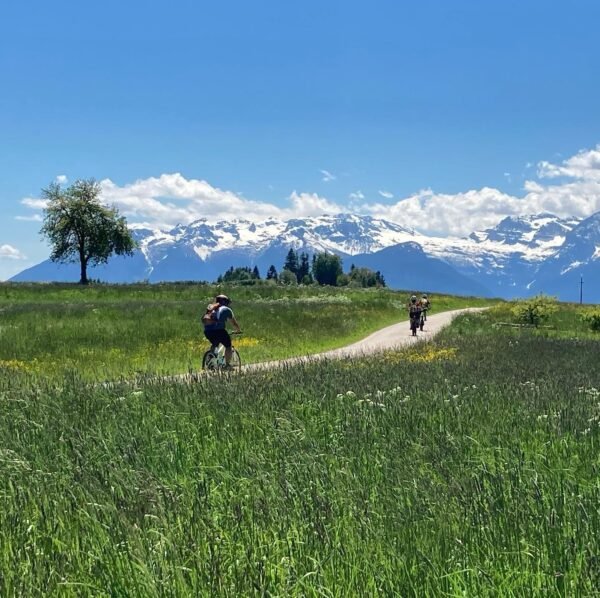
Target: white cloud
444, 214
327, 176
583, 165
356, 196
10, 253
171, 199
310, 204
34, 204
61, 179
386, 194
33, 218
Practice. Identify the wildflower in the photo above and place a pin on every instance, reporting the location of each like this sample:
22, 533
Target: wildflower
369, 403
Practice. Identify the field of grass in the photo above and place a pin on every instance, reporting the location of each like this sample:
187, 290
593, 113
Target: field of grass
104, 332
465, 467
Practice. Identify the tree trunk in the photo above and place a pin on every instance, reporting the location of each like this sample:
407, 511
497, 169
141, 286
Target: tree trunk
84, 278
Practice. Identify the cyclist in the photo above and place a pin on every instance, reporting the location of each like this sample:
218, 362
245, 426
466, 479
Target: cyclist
414, 314
425, 305
215, 330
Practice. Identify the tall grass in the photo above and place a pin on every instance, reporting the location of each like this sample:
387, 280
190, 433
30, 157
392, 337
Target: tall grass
465, 467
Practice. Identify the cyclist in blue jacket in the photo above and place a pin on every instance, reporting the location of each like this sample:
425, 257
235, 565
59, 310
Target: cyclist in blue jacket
215, 327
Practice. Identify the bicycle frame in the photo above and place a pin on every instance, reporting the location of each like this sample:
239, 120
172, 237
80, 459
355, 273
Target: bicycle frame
214, 358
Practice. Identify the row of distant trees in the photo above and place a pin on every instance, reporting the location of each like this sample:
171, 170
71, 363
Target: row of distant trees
80, 228
299, 268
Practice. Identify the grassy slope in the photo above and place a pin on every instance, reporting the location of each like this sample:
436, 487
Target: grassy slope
109, 331
469, 466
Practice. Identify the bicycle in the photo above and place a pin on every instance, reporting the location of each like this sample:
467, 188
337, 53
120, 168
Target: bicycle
213, 360
414, 324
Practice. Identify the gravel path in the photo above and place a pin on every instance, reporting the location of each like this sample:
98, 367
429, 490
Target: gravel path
392, 337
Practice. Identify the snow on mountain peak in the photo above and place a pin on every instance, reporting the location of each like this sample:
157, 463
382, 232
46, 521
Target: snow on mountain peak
535, 236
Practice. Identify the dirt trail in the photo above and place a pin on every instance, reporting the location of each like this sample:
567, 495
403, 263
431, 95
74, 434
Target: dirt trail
391, 337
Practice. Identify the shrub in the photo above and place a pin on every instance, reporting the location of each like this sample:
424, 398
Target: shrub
592, 317
536, 310
342, 280
287, 277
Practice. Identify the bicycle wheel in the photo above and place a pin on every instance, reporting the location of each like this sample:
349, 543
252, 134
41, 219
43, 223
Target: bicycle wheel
413, 326
209, 361
236, 361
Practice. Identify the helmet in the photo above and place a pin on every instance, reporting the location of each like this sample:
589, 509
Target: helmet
223, 299
424, 296
413, 299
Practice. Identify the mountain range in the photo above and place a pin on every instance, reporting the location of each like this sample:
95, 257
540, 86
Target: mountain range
518, 257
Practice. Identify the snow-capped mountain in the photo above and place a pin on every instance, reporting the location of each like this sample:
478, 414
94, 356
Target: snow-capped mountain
578, 257
506, 257
345, 233
519, 256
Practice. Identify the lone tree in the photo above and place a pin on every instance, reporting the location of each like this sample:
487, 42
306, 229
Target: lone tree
80, 228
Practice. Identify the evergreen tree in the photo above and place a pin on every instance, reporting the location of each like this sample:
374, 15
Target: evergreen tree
291, 261
256, 273
272, 273
303, 268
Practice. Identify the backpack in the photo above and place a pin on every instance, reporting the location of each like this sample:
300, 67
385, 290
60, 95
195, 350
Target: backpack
210, 315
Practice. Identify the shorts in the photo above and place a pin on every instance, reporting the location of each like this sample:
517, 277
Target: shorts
218, 337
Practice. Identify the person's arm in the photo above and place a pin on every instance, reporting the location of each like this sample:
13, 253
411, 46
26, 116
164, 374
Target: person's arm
235, 324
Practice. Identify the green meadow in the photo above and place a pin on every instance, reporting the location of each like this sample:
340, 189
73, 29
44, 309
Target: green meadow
111, 331
468, 466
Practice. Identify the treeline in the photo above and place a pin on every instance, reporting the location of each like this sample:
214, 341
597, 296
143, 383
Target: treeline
299, 268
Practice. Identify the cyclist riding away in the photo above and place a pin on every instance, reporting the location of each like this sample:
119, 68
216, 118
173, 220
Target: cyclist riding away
425, 306
414, 314
215, 321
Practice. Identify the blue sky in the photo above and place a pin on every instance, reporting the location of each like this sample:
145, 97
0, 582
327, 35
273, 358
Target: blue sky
468, 111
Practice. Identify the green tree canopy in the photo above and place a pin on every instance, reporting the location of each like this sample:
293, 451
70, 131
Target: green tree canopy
80, 228
365, 277
239, 274
326, 268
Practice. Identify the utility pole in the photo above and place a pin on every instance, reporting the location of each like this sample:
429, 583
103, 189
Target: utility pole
581, 290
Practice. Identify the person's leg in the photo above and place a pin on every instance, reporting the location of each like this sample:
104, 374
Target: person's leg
211, 337
226, 342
